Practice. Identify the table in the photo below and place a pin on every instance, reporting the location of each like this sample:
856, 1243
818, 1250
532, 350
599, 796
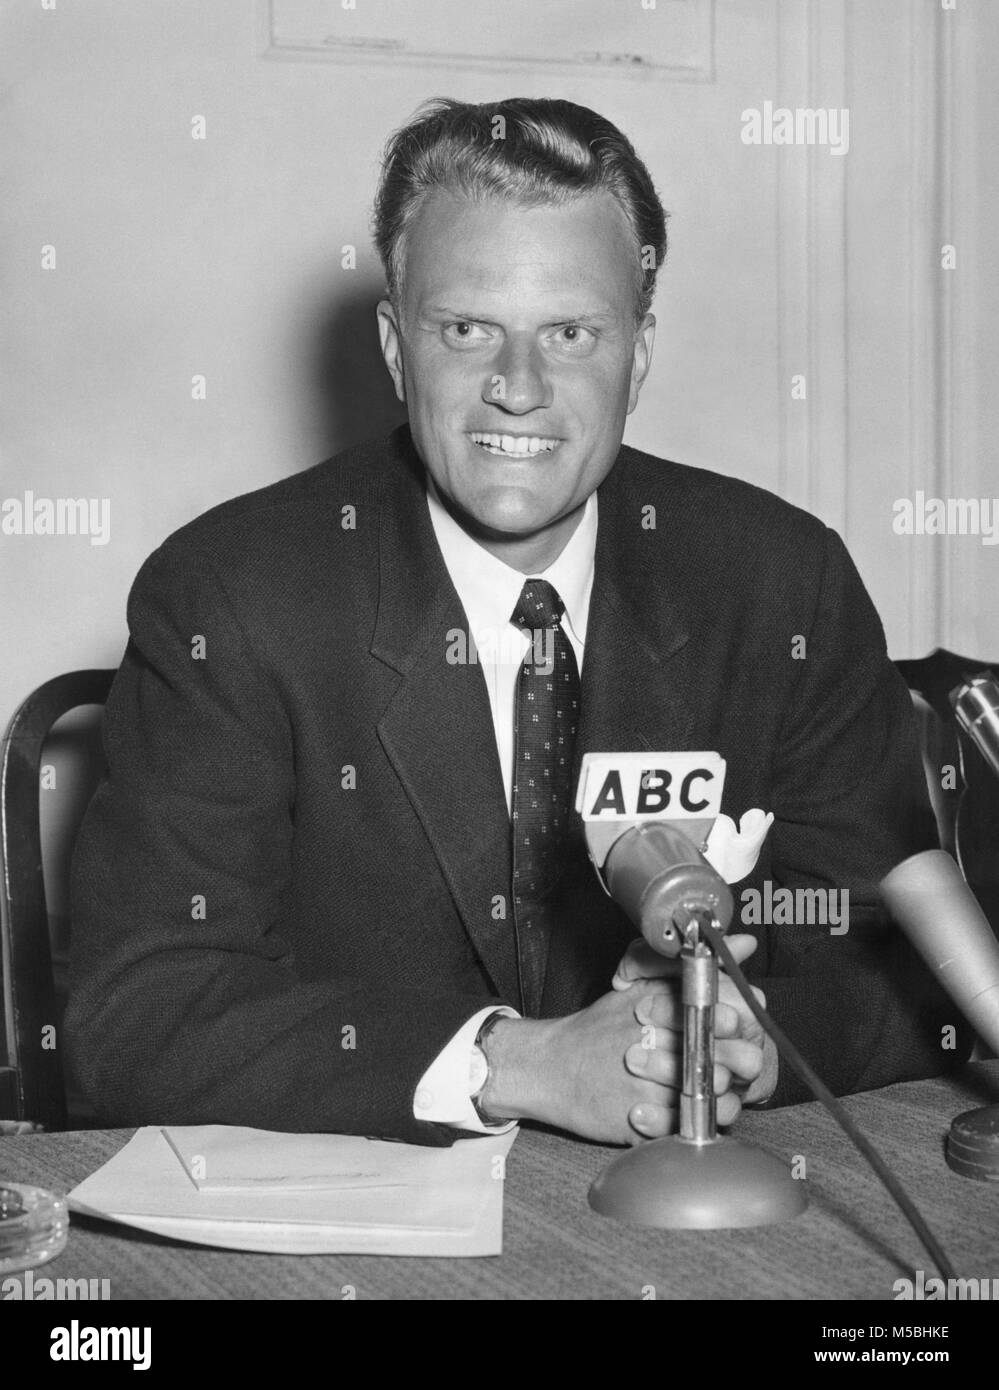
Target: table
851, 1243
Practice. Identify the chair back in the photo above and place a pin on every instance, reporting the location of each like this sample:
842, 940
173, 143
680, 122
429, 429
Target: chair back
32, 1085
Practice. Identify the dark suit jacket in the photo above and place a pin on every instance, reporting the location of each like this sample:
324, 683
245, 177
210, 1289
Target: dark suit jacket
289, 892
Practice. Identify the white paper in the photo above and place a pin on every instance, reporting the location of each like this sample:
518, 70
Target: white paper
223, 1158
307, 1194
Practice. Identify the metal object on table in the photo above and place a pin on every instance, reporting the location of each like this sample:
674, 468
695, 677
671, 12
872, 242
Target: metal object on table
698, 1179
34, 1225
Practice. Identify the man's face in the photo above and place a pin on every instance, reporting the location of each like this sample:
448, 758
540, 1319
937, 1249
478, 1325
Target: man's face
518, 355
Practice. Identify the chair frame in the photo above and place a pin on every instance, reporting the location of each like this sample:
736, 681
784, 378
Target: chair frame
32, 1085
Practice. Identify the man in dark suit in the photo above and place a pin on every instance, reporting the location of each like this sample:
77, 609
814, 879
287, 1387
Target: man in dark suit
333, 859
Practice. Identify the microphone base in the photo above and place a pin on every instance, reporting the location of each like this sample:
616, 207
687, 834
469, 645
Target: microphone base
973, 1144
679, 1184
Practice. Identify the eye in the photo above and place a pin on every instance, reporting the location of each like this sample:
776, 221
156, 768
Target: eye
573, 338
464, 333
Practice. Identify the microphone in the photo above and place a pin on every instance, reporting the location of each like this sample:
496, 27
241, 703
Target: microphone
647, 817
928, 898
976, 704
661, 880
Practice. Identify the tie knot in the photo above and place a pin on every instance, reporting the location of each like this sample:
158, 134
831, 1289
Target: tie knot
539, 606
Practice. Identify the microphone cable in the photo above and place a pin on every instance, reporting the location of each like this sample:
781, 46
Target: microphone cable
819, 1089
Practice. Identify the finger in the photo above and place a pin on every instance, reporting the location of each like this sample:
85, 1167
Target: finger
651, 1121
723, 1078
728, 991
727, 1110
660, 1009
663, 1039
641, 962
743, 1059
665, 1068
742, 945
728, 1021
729, 998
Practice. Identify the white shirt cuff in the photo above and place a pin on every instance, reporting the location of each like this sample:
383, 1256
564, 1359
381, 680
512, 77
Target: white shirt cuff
458, 1072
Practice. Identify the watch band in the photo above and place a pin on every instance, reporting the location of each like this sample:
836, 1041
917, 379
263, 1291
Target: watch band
487, 1027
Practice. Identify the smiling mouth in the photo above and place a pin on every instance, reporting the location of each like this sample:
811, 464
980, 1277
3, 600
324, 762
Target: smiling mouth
512, 446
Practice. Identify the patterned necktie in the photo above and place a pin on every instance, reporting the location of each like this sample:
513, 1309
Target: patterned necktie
546, 716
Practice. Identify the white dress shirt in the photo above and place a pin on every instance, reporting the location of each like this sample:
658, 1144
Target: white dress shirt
489, 590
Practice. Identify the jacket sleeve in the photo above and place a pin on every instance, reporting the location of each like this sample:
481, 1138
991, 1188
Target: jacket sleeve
185, 1006
850, 802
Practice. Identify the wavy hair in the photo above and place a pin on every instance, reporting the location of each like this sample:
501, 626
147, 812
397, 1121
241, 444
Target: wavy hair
533, 150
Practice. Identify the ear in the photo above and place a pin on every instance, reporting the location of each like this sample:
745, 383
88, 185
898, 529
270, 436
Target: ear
645, 336
391, 341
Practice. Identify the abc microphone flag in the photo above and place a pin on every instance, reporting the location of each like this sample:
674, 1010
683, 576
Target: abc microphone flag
647, 817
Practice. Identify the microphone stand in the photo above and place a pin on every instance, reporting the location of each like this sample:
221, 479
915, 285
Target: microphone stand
697, 1179
699, 995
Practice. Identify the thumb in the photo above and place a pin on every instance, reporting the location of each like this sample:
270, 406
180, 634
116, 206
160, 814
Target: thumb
641, 962
742, 945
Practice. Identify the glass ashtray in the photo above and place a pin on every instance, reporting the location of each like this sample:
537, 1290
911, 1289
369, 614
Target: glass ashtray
34, 1225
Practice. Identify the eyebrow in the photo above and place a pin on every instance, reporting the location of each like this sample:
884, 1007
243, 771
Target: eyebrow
596, 317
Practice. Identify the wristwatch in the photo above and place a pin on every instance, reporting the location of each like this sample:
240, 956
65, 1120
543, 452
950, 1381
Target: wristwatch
480, 1069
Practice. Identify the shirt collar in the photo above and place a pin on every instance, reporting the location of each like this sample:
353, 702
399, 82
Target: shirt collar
489, 589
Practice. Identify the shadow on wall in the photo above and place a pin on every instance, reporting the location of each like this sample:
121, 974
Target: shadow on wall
355, 398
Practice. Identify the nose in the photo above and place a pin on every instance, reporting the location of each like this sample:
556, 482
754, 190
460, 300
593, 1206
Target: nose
518, 382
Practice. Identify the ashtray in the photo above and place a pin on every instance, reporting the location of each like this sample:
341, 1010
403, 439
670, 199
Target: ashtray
34, 1225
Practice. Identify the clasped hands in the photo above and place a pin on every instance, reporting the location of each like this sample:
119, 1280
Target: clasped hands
745, 1057
613, 1071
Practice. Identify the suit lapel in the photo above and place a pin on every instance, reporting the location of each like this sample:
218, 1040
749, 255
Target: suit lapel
636, 684
437, 730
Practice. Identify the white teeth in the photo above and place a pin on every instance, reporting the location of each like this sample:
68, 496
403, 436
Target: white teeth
516, 446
